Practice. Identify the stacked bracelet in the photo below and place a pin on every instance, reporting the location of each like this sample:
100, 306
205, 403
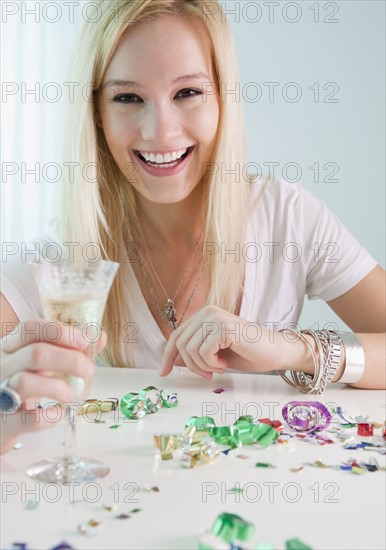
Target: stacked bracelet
355, 357
329, 345
301, 380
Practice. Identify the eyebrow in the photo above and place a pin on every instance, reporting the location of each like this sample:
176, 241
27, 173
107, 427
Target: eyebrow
129, 83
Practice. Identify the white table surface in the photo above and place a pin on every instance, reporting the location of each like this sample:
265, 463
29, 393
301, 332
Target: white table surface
341, 510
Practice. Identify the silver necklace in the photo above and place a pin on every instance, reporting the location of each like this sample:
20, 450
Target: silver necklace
168, 312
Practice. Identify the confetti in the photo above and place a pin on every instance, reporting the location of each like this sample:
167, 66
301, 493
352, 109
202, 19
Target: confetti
114, 427
151, 489
122, 516
317, 464
264, 465
219, 390
296, 544
351, 465
18, 445
357, 470
236, 489
63, 546
243, 457
365, 429
90, 527
297, 470
31, 505
110, 508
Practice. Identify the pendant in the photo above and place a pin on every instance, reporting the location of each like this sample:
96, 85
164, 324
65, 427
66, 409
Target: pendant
169, 313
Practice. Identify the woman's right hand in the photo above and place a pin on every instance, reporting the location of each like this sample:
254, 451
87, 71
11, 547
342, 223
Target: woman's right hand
35, 357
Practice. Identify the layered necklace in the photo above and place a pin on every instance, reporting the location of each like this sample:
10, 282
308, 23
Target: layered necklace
168, 311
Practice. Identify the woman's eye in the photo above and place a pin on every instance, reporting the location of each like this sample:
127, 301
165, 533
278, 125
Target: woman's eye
189, 92
132, 98
126, 98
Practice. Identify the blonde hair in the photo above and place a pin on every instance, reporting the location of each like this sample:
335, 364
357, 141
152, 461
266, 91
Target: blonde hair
98, 209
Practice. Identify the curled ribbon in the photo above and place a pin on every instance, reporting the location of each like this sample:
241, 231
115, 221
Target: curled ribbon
148, 401
231, 532
192, 446
243, 432
306, 416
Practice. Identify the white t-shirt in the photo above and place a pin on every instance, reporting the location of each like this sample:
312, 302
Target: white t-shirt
294, 246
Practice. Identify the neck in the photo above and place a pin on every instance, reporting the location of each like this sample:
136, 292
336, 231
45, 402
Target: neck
172, 225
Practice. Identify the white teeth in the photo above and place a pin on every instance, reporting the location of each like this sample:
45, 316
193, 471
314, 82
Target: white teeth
162, 159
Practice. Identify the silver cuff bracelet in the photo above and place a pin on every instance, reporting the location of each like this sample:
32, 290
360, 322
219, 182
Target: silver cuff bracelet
355, 358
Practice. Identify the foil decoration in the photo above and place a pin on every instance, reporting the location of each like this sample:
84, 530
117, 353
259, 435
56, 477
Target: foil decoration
306, 416
148, 401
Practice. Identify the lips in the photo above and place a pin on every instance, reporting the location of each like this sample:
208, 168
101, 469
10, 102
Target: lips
165, 169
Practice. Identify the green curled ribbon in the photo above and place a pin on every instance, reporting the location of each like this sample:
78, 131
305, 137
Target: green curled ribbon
230, 527
132, 406
232, 530
243, 432
148, 401
200, 422
169, 399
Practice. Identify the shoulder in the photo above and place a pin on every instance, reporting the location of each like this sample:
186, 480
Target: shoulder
280, 192
282, 203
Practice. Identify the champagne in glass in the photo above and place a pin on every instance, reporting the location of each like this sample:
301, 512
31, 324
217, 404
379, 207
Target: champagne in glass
74, 295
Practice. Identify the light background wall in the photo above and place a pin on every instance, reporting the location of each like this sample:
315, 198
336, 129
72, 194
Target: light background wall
334, 47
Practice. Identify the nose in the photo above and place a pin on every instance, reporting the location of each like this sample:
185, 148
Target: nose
160, 124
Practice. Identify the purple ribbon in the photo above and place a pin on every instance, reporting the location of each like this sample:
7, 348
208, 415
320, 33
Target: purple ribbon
306, 416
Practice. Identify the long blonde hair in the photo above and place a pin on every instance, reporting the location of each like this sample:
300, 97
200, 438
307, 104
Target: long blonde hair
98, 203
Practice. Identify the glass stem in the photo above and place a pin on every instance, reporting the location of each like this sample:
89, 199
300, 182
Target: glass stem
70, 435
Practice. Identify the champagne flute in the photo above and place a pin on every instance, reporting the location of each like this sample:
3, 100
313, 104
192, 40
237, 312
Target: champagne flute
76, 295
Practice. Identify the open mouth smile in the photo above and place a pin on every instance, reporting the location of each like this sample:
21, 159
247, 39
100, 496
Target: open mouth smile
164, 165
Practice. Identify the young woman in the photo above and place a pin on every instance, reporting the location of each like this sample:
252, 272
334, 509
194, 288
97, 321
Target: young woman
193, 288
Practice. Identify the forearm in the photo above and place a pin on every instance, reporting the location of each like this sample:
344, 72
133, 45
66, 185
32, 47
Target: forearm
296, 356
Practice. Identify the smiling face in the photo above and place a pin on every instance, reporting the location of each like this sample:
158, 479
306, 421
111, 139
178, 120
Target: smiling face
158, 108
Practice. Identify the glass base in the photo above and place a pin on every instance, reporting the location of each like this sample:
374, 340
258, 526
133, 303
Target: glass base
75, 469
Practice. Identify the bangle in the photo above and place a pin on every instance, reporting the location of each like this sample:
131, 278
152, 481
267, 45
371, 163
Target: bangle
332, 348
329, 346
355, 357
302, 381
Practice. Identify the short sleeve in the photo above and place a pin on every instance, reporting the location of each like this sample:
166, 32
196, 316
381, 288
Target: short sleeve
335, 260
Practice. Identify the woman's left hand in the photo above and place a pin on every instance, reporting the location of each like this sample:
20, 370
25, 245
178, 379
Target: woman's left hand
213, 340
